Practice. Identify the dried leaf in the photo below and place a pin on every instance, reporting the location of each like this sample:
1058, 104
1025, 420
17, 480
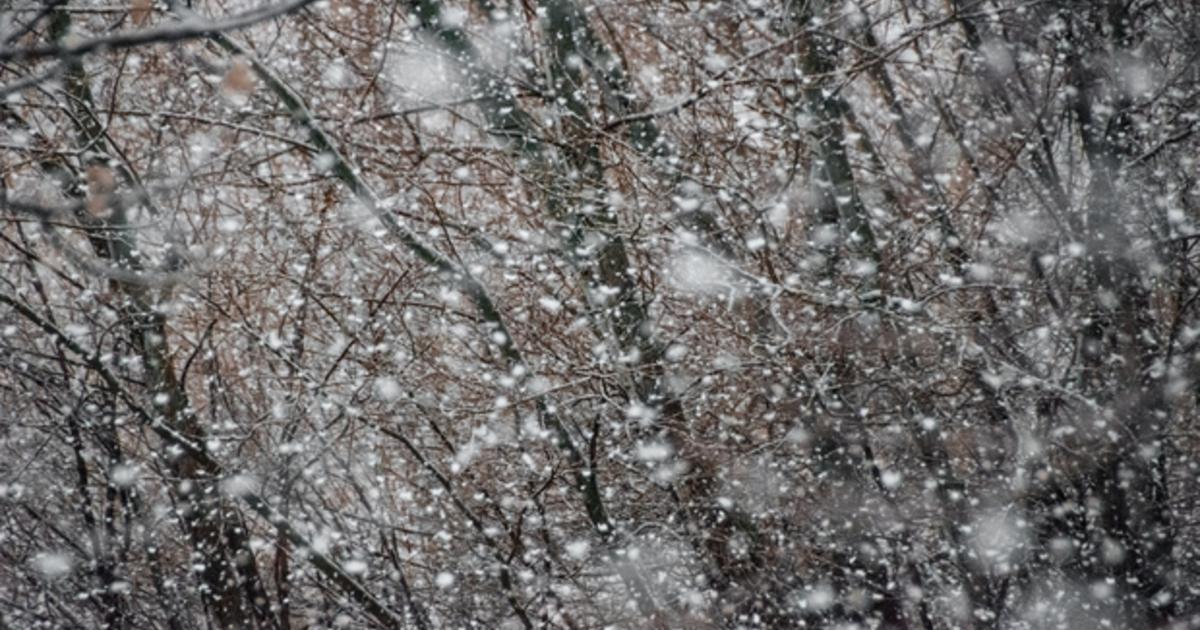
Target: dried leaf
100, 180
140, 10
100, 185
238, 82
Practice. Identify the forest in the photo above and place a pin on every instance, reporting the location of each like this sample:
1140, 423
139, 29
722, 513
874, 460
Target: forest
600, 314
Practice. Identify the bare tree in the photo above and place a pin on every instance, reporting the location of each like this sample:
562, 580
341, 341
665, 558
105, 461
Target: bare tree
573, 314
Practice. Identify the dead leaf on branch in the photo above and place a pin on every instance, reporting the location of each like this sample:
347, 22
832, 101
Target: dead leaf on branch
238, 82
140, 11
100, 186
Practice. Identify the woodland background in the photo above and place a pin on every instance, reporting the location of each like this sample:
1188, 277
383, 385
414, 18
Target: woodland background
599, 313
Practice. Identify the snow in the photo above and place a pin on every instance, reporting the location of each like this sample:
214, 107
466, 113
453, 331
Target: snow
424, 75
653, 452
999, 538
124, 475
578, 549
388, 389
54, 565
587, 380
239, 485
698, 272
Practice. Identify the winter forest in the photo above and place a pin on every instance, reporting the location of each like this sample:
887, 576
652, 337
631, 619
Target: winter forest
590, 314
